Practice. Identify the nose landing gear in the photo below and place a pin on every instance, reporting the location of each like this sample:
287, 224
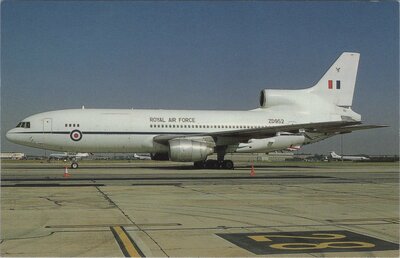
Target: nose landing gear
74, 165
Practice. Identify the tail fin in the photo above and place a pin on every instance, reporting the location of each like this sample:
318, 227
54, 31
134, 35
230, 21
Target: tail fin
337, 84
334, 155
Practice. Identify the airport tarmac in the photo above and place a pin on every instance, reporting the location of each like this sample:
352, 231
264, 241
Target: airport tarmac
147, 208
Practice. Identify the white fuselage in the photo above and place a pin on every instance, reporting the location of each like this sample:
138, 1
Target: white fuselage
130, 130
175, 131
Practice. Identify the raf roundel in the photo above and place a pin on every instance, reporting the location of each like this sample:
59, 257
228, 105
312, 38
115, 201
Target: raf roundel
76, 135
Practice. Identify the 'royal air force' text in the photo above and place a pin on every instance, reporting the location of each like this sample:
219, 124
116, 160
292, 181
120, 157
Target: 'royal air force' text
172, 120
192, 120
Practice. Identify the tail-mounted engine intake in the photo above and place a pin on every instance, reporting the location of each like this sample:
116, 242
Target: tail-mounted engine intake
269, 98
188, 150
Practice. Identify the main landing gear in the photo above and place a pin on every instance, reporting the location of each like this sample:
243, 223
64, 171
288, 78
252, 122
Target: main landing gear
215, 164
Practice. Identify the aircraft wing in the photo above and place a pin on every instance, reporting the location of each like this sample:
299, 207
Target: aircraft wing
264, 132
349, 129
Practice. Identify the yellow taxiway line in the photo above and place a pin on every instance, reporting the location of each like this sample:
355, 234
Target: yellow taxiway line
125, 242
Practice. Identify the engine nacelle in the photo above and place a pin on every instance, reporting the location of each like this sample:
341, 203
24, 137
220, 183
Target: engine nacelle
187, 150
270, 98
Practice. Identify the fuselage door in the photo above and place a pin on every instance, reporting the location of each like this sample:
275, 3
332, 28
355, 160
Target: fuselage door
47, 125
47, 130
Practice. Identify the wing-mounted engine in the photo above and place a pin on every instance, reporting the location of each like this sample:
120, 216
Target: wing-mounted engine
187, 149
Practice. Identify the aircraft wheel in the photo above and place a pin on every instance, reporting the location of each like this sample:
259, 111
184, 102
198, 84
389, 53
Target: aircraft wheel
199, 164
227, 164
212, 164
74, 165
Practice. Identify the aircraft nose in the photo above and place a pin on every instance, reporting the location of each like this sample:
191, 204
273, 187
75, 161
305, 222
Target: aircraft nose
11, 135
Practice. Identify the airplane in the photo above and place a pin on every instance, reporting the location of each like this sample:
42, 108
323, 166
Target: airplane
69, 156
141, 156
353, 158
293, 148
285, 118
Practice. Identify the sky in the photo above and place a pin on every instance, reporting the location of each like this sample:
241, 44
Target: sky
196, 55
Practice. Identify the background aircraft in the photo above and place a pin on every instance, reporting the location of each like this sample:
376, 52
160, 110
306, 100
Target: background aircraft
141, 156
347, 157
68, 156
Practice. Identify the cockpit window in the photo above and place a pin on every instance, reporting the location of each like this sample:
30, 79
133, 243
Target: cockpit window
24, 124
